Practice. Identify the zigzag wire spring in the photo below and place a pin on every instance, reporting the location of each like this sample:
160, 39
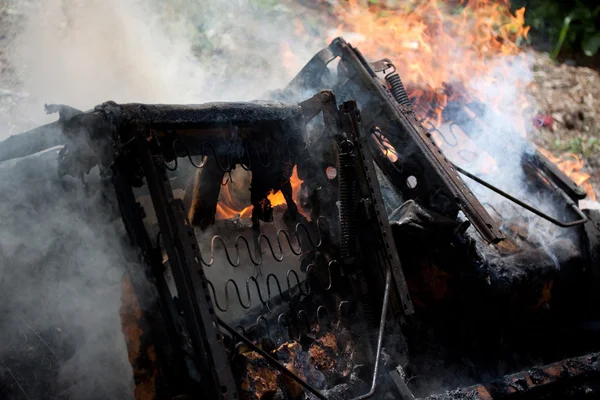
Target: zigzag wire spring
304, 287
263, 238
422, 117
233, 153
299, 323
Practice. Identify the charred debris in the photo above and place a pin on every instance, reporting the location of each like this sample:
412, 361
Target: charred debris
381, 277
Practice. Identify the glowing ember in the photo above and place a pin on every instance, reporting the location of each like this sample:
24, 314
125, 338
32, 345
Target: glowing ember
230, 205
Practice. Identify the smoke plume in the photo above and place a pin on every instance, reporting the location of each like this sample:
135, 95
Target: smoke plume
61, 246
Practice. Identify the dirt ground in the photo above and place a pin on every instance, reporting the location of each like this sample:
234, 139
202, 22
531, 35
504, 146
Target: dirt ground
568, 104
567, 98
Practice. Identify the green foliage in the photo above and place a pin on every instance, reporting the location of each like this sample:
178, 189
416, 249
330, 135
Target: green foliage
563, 24
585, 146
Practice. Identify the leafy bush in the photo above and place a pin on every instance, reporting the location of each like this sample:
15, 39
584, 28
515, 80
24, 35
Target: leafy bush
558, 25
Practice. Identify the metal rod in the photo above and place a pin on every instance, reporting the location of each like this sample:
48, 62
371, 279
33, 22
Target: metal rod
272, 361
526, 206
386, 300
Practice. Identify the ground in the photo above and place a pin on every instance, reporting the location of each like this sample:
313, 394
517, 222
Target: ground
570, 97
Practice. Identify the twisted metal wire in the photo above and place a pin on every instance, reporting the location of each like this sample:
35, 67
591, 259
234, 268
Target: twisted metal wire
258, 260
234, 153
304, 288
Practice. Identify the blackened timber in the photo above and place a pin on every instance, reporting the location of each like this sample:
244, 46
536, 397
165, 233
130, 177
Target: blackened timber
217, 128
218, 115
539, 382
192, 288
159, 312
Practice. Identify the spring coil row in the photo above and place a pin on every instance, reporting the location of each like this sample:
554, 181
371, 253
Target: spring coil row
347, 196
257, 259
304, 288
425, 121
293, 328
234, 153
422, 117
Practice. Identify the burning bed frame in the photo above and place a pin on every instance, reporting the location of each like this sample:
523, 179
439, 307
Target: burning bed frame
380, 302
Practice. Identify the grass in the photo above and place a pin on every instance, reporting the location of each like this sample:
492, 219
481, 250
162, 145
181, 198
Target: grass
586, 146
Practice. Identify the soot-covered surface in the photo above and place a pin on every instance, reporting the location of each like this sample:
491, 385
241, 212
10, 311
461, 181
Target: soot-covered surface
62, 262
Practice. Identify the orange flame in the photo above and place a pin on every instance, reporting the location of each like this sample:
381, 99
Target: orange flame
572, 166
432, 44
439, 48
229, 205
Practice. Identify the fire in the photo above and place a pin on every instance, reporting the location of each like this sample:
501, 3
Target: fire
440, 48
231, 204
572, 166
434, 43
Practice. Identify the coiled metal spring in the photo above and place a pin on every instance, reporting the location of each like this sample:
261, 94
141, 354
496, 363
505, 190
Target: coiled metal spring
397, 89
347, 196
304, 288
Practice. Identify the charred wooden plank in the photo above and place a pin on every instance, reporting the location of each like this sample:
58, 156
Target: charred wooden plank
550, 381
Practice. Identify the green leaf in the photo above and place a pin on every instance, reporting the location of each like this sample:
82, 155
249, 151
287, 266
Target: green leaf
563, 35
591, 45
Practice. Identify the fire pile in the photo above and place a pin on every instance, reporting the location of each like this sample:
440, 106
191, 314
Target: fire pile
342, 239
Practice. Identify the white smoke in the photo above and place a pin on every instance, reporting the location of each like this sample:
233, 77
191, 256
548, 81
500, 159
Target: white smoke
83, 53
60, 247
